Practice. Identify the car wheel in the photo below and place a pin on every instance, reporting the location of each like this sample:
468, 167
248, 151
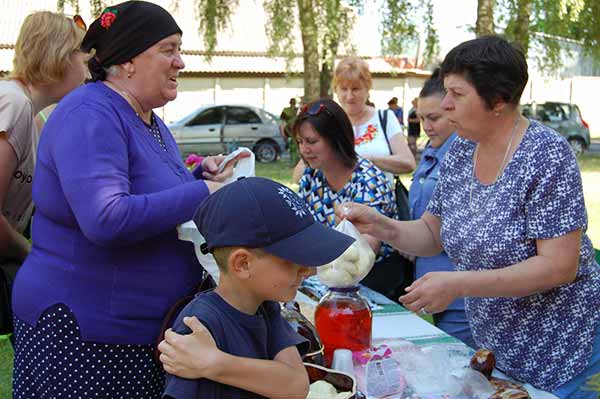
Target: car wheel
266, 152
577, 146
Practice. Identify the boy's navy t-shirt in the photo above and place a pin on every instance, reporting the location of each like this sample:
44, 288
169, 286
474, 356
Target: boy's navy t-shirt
259, 336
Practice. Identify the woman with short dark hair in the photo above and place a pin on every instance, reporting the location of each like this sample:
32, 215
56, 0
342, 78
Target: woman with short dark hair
508, 210
336, 174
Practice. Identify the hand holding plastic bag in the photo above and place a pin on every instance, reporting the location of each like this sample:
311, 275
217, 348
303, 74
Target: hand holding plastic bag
353, 265
244, 167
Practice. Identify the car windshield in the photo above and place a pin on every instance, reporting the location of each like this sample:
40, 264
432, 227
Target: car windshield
270, 117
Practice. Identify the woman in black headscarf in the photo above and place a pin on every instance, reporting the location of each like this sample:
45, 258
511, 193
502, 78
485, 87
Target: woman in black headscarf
110, 189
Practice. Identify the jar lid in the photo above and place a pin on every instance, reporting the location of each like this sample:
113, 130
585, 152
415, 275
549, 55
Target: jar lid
345, 289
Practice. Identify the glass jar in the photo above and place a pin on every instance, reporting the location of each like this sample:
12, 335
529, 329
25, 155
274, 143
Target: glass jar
344, 320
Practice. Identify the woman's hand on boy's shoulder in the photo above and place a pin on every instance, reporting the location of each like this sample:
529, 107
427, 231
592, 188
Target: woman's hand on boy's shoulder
191, 356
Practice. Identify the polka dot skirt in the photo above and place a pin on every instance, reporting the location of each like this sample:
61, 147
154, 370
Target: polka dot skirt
51, 361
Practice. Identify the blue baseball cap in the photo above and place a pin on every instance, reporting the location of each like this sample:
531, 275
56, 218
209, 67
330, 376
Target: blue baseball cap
255, 212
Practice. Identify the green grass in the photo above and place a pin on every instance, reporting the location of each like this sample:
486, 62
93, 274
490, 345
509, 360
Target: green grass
590, 174
281, 171
6, 364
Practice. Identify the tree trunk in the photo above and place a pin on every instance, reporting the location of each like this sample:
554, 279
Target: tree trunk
326, 91
521, 28
308, 27
325, 83
485, 18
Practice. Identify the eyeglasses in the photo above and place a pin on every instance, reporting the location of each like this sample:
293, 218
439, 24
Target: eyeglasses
315, 109
79, 22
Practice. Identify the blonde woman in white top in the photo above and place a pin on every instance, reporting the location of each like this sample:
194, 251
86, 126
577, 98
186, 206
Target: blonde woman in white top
352, 82
47, 65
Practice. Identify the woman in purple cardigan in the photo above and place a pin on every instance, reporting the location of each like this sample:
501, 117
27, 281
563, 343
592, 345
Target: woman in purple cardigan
110, 188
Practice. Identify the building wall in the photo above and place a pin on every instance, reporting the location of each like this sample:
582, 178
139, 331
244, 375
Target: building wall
272, 93
584, 92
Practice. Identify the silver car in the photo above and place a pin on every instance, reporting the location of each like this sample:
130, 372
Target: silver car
217, 129
565, 118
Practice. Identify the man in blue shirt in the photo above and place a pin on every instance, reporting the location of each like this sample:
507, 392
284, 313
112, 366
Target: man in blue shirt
397, 110
265, 242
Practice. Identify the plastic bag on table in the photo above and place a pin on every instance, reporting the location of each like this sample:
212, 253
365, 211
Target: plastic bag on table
353, 265
442, 370
382, 376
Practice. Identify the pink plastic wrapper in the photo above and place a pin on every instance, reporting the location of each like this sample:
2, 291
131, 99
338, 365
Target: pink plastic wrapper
378, 374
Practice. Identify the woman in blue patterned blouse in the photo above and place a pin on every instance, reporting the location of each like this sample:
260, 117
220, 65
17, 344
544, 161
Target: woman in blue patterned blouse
336, 174
508, 210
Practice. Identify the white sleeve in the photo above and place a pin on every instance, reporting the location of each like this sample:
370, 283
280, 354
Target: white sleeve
393, 126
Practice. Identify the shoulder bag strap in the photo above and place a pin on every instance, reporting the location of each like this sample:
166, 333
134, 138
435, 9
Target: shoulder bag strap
383, 121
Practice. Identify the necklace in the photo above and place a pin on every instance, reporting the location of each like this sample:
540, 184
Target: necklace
127, 98
484, 202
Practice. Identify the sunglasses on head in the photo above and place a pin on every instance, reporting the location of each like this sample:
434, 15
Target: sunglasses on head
79, 22
315, 109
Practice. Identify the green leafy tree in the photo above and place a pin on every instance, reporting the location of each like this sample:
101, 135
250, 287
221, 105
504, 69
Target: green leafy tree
213, 17
60, 5
398, 27
551, 25
325, 26
431, 54
517, 28
96, 6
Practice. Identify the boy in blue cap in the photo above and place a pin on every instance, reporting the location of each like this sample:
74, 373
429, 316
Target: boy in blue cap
265, 242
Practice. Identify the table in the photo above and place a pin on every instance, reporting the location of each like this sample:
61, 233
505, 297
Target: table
387, 315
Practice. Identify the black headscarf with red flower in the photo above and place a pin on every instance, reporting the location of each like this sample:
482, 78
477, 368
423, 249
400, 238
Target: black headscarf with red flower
124, 31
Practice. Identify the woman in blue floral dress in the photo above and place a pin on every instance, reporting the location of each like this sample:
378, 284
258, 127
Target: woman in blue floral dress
509, 211
336, 174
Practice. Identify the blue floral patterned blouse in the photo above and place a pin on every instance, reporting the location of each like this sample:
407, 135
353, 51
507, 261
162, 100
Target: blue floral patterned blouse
367, 185
544, 339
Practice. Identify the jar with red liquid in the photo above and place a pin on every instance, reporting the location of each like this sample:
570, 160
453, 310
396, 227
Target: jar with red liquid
344, 320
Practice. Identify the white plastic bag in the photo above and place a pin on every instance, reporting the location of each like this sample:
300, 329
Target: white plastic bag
353, 265
243, 168
189, 232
